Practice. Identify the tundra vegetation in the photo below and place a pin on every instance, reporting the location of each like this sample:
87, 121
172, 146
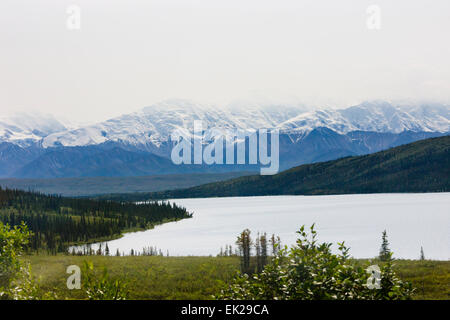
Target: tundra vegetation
44, 276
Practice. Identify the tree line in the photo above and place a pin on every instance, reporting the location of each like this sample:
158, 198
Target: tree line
57, 222
87, 250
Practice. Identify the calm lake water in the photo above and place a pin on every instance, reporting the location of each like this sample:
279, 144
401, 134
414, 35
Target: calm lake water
411, 221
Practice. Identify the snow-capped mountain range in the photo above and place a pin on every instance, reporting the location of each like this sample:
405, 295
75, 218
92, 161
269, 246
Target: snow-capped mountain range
36, 141
153, 125
374, 116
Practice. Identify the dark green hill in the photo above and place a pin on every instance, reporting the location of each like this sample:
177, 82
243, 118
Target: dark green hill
422, 166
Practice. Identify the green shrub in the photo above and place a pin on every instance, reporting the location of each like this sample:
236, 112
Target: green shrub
12, 243
16, 279
310, 271
101, 287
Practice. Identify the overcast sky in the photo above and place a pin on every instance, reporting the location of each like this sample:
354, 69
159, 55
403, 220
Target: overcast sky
130, 54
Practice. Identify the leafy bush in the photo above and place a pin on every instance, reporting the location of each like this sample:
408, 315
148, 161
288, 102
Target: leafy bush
12, 243
16, 279
102, 287
25, 287
310, 271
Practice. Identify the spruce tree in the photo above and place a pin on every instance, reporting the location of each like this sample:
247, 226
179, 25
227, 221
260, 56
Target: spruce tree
263, 243
244, 243
99, 251
385, 252
275, 242
422, 254
258, 254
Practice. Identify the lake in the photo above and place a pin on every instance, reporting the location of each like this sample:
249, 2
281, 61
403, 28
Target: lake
411, 221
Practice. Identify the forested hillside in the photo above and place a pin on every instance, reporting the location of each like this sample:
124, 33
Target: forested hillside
57, 222
422, 166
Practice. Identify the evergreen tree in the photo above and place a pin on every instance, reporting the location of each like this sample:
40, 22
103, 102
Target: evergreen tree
275, 243
258, 254
422, 254
99, 251
385, 252
261, 251
263, 243
244, 243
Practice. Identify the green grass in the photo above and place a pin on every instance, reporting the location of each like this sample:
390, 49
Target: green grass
430, 278
149, 277
201, 277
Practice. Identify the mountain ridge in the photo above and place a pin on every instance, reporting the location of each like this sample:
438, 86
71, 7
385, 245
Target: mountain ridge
142, 144
153, 125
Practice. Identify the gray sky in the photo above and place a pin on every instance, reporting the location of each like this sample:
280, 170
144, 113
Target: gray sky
130, 54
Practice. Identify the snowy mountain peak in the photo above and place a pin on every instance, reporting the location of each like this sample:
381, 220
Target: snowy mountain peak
152, 126
381, 116
377, 116
23, 129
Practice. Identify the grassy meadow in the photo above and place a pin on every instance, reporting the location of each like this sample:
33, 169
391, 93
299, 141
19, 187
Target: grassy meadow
156, 277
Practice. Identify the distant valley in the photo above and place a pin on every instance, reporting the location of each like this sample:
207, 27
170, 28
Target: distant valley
91, 186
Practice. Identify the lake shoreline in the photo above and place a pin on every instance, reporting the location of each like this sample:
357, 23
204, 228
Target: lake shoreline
356, 219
